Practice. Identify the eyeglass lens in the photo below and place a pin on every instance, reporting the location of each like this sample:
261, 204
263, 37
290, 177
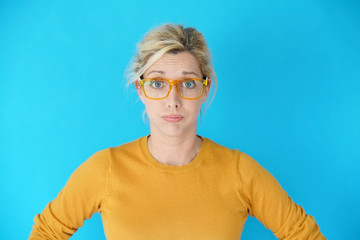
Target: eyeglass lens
186, 88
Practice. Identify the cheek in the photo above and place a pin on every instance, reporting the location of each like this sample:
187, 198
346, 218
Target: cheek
151, 108
195, 108
147, 107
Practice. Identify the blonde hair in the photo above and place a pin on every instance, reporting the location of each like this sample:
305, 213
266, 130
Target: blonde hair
171, 38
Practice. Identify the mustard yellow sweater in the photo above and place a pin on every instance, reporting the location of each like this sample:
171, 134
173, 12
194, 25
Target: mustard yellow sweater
140, 198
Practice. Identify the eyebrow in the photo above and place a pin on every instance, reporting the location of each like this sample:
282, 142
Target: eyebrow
183, 73
156, 71
194, 73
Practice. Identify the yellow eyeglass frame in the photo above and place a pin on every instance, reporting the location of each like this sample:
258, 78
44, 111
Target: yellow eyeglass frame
173, 82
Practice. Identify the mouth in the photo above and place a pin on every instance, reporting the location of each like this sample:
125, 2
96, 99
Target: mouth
172, 118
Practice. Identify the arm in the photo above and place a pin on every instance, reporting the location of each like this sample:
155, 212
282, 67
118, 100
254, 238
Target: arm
81, 197
269, 203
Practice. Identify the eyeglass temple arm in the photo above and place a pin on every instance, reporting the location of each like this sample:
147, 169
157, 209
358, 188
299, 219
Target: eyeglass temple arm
205, 81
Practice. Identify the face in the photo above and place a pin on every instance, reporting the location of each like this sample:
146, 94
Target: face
173, 116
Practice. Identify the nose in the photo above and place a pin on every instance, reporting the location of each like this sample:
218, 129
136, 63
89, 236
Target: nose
173, 100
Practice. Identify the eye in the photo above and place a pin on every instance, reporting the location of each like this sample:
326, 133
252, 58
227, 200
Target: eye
189, 84
157, 84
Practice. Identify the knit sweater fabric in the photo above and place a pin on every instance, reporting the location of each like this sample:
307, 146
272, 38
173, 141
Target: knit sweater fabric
141, 198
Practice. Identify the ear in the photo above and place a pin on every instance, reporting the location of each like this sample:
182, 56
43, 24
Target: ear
139, 91
207, 90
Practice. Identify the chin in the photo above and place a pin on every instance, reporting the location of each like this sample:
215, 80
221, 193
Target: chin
173, 132
173, 129
177, 131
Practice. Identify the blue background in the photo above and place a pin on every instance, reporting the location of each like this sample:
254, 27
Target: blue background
289, 84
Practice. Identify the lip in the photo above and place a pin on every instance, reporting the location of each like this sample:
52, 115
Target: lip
172, 118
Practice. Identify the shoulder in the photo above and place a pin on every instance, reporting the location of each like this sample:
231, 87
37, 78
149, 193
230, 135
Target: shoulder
218, 149
121, 156
243, 160
104, 156
134, 147
221, 154
96, 163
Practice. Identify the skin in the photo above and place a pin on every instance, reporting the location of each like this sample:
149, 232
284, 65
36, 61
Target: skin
174, 143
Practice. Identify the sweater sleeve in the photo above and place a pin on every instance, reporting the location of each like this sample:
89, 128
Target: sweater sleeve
81, 197
269, 203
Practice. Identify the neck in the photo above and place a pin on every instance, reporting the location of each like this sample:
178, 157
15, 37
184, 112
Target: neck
175, 151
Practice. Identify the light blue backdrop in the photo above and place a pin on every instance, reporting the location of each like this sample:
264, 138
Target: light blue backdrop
289, 95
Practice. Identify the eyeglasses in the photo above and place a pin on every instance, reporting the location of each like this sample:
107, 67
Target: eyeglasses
159, 88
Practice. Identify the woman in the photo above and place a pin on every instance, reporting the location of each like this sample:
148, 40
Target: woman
173, 184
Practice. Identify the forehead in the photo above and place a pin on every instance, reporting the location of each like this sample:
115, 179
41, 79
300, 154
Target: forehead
172, 65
